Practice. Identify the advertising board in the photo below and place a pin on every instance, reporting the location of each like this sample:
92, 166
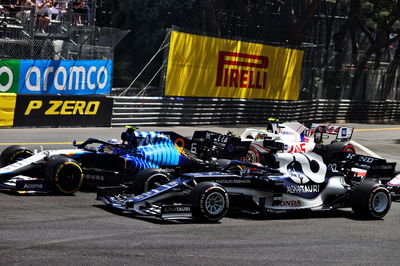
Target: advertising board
65, 77
201, 66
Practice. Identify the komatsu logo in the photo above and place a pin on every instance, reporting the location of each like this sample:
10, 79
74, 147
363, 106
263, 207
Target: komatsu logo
230, 72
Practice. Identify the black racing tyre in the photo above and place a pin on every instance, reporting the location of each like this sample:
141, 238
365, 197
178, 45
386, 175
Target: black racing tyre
13, 154
349, 148
65, 176
370, 200
210, 201
253, 155
149, 179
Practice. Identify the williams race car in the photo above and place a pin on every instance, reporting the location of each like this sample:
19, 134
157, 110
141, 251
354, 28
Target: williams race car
294, 137
290, 181
97, 162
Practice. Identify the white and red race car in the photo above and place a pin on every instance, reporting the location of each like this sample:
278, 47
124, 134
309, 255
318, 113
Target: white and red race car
294, 137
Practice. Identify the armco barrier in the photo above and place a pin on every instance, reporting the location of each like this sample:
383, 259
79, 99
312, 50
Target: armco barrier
206, 111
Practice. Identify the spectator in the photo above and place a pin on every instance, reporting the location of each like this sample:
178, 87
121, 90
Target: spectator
42, 12
81, 12
53, 10
11, 7
2, 14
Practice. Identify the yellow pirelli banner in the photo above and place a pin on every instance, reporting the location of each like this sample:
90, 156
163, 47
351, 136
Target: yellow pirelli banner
7, 109
200, 66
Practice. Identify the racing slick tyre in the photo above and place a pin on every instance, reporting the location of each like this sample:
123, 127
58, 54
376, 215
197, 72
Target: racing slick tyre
253, 155
149, 179
349, 148
13, 154
370, 200
210, 201
65, 176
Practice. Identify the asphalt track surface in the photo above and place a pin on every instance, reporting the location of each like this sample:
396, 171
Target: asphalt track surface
78, 230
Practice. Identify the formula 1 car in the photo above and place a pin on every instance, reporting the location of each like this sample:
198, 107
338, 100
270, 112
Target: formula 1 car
293, 137
290, 181
97, 162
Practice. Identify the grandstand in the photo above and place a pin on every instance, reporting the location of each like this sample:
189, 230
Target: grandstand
60, 30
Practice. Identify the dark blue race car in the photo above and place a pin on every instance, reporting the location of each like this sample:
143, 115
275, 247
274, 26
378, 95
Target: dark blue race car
97, 162
289, 181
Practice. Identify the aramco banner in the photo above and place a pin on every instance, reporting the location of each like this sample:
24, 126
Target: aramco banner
200, 66
65, 77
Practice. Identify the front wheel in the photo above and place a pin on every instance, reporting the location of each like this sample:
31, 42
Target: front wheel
370, 200
210, 201
64, 175
13, 154
149, 179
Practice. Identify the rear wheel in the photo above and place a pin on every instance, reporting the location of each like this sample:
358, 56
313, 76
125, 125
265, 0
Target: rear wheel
370, 200
13, 154
64, 175
253, 155
349, 148
149, 179
210, 201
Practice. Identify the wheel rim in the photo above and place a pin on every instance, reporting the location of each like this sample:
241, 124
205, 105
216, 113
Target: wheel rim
380, 202
252, 157
69, 178
215, 203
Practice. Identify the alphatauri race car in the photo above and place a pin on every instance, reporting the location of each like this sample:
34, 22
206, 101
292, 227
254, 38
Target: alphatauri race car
97, 162
294, 137
288, 182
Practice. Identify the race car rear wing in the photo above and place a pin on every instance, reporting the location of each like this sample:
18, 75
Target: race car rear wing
375, 167
341, 133
207, 144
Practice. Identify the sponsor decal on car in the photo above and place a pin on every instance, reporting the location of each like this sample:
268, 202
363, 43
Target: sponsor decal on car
287, 203
94, 177
303, 189
232, 181
176, 209
33, 186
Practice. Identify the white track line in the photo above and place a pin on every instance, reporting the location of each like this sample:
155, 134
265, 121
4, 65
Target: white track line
371, 153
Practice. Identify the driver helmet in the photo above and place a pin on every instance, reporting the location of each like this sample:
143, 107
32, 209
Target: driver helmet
272, 125
113, 141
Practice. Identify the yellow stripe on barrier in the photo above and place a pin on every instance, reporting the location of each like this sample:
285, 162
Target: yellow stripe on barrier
38, 143
7, 109
377, 129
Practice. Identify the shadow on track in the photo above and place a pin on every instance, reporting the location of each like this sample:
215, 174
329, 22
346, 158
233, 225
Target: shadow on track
301, 214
